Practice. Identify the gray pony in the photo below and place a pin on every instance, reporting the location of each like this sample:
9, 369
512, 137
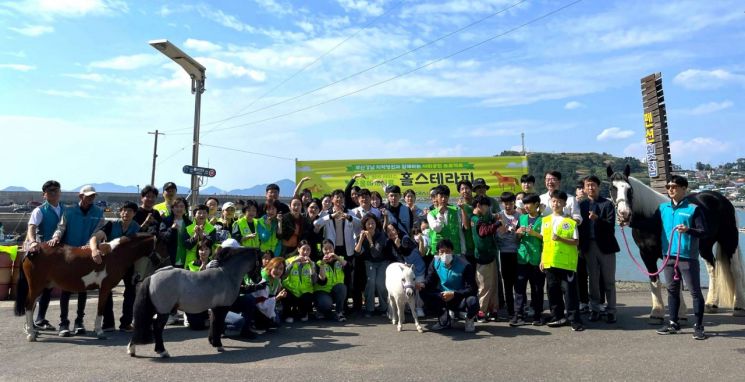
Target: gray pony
192, 292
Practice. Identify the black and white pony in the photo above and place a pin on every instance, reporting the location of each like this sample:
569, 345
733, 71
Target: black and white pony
636, 201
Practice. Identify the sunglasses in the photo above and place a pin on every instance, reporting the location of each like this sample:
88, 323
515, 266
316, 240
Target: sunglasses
671, 186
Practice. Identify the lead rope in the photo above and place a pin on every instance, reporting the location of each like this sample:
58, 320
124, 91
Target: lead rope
676, 276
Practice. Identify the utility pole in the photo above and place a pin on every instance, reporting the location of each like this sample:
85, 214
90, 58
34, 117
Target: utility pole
522, 137
155, 155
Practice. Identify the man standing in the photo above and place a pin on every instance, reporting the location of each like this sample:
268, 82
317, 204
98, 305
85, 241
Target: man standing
169, 194
41, 226
553, 183
398, 214
75, 228
683, 224
598, 244
480, 187
272, 194
445, 223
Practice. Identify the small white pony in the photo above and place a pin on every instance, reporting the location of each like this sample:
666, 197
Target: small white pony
399, 280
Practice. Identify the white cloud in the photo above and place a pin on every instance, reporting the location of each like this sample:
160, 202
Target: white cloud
18, 67
614, 133
371, 7
701, 146
48, 9
66, 93
95, 77
697, 79
274, 7
224, 19
571, 105
305, 26
132, 62
222, 69
710, 107
636, 150
201, 45
33, 30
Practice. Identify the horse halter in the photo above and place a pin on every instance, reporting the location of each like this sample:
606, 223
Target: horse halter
407, 285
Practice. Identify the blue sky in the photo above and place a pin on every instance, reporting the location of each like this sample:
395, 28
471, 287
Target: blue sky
81, 87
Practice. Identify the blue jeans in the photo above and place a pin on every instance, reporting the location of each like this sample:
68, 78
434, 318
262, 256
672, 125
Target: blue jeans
688, 270
376, 282
326, 300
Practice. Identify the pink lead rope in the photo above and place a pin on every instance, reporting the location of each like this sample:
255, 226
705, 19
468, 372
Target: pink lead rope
676, 276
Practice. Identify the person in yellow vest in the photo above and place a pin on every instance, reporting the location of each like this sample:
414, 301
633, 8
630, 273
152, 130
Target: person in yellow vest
245, 228
198, 234
169, 195
559, 262
330, 288
299, 281
269, 228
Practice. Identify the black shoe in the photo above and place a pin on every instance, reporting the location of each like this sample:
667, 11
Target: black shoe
126, 328
698, 332
594, 316
557, 322
517, 321
64, 330
671, 328
610, 318
577, 326
537, 321
248, 334
79, 329
44, 325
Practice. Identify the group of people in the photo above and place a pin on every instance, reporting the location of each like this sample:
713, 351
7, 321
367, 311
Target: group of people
473, 259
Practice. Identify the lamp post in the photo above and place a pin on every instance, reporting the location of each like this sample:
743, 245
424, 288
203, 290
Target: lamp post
196, 72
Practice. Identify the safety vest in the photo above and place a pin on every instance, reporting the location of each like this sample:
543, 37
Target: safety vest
163, 209
299, 279
49, 220
268, 237
557, 254
450, 278
334, 275
530, 247
80, 226
671, 217
246, 230
191, 254
451, 230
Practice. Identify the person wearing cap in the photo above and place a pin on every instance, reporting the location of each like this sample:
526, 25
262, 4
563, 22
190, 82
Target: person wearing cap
169, 194
553, 183
683, 222
224, 224
480, 187
41, 227
75, 228
396, 212
272, 195
124, 226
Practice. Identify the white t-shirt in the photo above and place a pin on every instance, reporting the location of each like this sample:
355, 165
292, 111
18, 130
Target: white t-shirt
37, 216
570, 210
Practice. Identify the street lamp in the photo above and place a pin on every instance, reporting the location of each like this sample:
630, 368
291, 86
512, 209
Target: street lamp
196, 72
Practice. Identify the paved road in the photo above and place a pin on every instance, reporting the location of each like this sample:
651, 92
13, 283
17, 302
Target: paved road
371, 350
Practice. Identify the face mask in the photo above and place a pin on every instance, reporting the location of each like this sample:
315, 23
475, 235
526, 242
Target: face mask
447, 258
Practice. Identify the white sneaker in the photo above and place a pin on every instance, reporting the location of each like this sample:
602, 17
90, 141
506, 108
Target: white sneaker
289, 320
419, 312
186, 321
470, 325
304, 318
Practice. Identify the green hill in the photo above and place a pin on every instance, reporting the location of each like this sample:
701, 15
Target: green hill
575, 166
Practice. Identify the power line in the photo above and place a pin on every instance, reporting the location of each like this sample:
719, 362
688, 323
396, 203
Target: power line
482, 42
319, 58
245, 151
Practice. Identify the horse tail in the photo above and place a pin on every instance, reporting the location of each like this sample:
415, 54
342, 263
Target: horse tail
723, 277
21, 294
143, 315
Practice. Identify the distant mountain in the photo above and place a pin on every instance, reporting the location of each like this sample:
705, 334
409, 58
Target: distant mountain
286, 187
14, 188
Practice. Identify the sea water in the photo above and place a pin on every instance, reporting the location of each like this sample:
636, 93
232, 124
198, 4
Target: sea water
626, 270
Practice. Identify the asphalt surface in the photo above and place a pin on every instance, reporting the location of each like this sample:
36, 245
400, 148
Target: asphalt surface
371, 350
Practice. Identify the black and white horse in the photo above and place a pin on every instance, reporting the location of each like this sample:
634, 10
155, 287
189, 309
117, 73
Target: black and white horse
636, 201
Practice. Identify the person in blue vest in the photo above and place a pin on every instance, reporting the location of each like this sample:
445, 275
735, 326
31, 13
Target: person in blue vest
450, 285
124, 226
75, 228
688, 222
41, 227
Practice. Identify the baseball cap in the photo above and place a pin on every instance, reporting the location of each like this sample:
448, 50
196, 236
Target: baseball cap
169, 185
87, 190
479, 182
228, 205
230, 243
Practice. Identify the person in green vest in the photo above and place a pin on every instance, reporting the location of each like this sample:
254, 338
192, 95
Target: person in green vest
245, 228
330, 289
445, 223
528, 260
299, 282
169, 195
198, 234
269, 228
559, 262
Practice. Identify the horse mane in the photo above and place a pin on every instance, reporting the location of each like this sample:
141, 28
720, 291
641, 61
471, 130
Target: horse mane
646, 199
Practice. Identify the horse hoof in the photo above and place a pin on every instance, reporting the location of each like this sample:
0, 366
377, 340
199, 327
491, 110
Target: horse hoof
398, 328
656, 320
738, 312
164, 354
31, 337
419, 329
131, 350
220, 349
394, 322
711, 309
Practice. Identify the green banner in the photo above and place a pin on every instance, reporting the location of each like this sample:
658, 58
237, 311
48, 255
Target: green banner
419, 174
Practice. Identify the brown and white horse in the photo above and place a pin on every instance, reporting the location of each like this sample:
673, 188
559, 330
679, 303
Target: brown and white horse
72, 269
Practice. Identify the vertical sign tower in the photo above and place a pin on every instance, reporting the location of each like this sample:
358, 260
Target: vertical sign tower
659, 165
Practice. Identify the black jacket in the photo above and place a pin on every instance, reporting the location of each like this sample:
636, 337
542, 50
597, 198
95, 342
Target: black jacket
604, 226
